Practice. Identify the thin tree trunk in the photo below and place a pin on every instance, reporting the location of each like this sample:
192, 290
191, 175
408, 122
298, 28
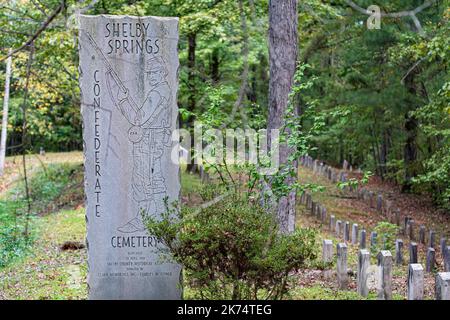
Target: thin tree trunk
385, 151
411, 130
24, 140
5, 114
192, 46
410, 151
215, 63
283, 50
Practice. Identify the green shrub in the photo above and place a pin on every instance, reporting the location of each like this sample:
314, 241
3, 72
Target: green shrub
232, 249
386, 235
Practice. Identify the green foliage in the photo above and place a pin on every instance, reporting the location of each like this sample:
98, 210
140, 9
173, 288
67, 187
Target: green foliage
355, 183
232, 249
386, 235
45, 185
13, 244
370, 82
435, 118
353, 98
297, 138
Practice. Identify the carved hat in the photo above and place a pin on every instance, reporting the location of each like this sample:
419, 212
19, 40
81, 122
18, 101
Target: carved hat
156, 64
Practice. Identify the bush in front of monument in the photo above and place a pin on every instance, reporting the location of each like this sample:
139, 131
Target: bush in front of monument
232, 249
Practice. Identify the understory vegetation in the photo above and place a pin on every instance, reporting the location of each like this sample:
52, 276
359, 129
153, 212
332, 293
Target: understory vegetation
50, 188
233, 249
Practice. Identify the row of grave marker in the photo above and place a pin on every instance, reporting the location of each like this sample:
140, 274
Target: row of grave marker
415, 271
342, 229
376, 201
407, 228
415, 288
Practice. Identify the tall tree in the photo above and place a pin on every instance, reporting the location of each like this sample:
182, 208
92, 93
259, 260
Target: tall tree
5, 114
283, 50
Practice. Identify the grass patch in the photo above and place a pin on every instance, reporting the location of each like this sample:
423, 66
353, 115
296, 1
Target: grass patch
47, 272
321, 293
50, 187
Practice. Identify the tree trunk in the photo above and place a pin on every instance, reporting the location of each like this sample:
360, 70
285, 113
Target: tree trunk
384, 152
283, 52
410, 151
192, 46
5, 115
411, 128
215, 77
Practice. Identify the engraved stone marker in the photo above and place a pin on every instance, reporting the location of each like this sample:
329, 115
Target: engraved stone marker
332, 222
363, 266
373, 239
447, 259
355, 234
327, 251
338, 228
432, 239
324, 214
341, 265
347, 231
362, 239
413, 252
442, 287
415, 282
128, 81
422, 234
443, 245
373, 277
431, 258
385, 275
399, 252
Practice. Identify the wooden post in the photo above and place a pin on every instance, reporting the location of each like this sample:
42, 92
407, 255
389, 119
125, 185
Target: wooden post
363, 266
355, 234
431, 258
399, 252
362, 239
385, 274
341, 265
415, 282
413, 252
442, 286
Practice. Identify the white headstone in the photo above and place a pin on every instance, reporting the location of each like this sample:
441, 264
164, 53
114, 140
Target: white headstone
128, 81
415, 281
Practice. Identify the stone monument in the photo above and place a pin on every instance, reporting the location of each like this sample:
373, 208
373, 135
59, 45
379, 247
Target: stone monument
128, 82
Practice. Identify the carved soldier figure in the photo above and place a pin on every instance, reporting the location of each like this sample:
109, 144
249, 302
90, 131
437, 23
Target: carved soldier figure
150, 134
